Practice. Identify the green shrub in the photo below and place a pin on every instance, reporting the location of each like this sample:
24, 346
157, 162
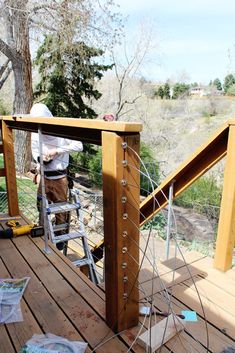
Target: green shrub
79, 161
1, 161
95, 169
204, 196
158, 223
152, 167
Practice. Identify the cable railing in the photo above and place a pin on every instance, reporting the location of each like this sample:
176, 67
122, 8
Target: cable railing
116, 213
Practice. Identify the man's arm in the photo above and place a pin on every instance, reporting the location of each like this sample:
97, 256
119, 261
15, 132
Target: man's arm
35, 145
70, 146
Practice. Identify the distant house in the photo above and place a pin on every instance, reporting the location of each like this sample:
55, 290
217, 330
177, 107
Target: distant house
203, 91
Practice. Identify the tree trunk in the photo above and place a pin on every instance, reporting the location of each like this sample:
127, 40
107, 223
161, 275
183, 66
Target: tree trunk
22, 69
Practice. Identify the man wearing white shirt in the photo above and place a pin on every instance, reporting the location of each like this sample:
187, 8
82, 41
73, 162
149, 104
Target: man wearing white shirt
56, 160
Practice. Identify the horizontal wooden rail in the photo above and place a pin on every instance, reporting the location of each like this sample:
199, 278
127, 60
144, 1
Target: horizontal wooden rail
195, 166
86, 130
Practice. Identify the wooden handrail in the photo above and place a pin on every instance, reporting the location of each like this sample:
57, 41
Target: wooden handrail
187, 173
86, 130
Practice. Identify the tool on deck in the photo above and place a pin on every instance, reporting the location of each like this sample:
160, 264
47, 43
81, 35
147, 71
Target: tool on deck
16, 229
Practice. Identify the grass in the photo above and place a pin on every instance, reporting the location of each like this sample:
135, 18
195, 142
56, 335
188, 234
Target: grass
27, 197
1, 161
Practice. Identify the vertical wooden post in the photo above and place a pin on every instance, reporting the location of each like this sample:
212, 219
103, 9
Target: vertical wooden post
226, 228
10, 172
121, 191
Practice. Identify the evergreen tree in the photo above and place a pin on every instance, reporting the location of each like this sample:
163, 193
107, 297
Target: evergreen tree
166, 91
228, 81
160, 92
68, 74
180, 89
217, 84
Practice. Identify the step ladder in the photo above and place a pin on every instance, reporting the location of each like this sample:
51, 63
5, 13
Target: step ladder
68, 207
73, 205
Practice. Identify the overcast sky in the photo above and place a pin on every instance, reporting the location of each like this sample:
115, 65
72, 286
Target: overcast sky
194, 36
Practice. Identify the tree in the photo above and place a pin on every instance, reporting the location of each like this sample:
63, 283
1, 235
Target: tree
166, 90
231, 90
67, 76
179, 90
160, 92
217, 84
128, 61
228, 81
87, 19
24, 18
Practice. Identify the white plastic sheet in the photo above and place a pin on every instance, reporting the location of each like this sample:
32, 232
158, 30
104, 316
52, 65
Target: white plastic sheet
50, 343
11, 292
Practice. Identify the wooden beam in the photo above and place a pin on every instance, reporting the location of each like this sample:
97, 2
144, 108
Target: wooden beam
121, 229
85, 130
160, 333
226, 228
187, 173
9, 164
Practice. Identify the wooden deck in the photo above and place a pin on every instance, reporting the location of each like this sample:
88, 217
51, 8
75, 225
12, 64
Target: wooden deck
59, 299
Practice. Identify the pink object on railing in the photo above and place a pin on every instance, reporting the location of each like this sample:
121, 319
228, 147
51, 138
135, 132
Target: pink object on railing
108, 117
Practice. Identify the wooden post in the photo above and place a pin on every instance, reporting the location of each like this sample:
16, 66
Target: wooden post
226, 228
10, 172
121, 191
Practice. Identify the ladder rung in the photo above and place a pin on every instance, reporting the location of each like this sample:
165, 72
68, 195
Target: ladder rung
60, 207
82, 262
62, 226
66, 237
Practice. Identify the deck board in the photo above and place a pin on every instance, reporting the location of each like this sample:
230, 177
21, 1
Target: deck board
61, 300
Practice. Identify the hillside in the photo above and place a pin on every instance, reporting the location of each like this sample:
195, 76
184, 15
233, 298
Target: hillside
173, 128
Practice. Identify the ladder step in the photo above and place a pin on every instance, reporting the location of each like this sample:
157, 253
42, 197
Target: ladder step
62, 226
66, 237
82, 262
60, 207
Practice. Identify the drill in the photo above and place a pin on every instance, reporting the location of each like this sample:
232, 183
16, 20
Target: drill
16, 229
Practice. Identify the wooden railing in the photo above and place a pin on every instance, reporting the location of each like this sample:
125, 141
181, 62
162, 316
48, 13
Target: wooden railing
122, 295
122, 308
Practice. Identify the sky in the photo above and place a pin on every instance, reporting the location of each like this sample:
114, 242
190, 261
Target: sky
195, 39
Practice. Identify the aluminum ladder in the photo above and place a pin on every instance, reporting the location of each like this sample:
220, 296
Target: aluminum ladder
68, 207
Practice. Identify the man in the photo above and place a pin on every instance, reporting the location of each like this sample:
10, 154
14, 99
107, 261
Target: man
56, 160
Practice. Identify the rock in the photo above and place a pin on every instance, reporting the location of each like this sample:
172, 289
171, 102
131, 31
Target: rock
192, 225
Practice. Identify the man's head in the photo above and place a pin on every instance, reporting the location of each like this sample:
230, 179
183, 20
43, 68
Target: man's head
40, 109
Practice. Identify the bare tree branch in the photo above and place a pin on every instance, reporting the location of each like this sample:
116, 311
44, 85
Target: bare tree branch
3, 67
9, 52
6, 75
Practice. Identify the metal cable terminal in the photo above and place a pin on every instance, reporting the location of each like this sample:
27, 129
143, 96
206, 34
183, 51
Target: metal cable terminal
124, 249
124, 234
124, 199
125, 215
124, 163
124, 145
125, 279
124, 182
